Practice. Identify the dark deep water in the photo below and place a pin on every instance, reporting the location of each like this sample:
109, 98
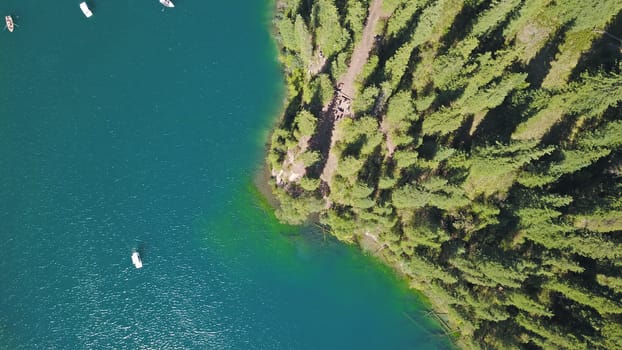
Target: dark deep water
143, 128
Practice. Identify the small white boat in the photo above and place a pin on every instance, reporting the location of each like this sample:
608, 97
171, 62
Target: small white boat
167, 3
136, 260
9, 23
85, 9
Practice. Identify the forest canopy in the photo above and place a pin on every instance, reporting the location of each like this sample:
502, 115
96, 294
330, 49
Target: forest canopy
478, 150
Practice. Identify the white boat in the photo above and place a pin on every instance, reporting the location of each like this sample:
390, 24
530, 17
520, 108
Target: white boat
85, 9
9, 23
167, 3
136, 260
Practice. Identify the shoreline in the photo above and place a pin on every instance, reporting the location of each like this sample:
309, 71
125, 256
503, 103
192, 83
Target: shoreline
367, 244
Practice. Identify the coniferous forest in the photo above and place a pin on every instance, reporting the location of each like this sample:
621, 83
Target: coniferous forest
478, 152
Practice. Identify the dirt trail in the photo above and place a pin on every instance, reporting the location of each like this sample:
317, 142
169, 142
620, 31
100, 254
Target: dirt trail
359, 57
331, 161
362, 49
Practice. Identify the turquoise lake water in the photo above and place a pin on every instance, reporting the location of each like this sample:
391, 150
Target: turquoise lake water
143, 128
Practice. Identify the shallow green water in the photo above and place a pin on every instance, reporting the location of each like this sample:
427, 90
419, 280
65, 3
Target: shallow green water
142, 128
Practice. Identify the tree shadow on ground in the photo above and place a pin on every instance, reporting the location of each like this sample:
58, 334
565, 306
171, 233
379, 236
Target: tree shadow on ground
559, 131
605, 53
291, 110
461, 137
321, 140
500, 122
462, 24
370, 173
540, 65
495, 39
